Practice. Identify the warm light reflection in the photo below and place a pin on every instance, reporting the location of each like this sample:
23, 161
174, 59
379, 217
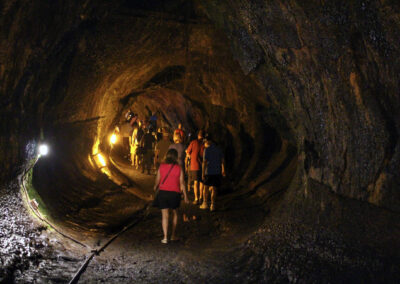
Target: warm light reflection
101, 160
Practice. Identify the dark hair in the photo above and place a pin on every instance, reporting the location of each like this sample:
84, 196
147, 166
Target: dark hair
209, 137
200, 133
171, 157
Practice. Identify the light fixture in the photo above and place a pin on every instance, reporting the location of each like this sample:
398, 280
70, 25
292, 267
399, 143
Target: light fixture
43, 150
113, 139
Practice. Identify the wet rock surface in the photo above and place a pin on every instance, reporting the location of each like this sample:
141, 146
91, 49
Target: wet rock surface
29, 253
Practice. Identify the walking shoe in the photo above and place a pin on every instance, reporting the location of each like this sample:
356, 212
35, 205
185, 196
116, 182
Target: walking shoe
212, 207
204, 206
164, 241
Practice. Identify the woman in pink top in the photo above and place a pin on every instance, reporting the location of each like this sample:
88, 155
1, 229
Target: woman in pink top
170, 181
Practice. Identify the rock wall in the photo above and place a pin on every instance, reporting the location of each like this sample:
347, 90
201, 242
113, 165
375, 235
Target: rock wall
331, 68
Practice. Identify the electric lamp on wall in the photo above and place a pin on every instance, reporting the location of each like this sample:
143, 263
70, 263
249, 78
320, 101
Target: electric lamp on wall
43, 150
113, 139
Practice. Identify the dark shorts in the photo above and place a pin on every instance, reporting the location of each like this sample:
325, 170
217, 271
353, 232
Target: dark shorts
195, 175
212, 180
167, 199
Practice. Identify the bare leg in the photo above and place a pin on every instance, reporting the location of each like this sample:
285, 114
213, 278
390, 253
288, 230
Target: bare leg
196, 190
201, 187
213, 190
174, 223
205, 194
188, 183
165, 216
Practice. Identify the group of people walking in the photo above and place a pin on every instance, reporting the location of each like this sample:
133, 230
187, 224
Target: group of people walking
202, 161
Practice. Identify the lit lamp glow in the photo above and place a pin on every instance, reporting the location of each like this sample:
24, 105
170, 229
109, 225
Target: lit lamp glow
113, 139
43, 150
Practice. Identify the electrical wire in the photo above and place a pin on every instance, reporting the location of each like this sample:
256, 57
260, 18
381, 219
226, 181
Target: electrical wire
95, 252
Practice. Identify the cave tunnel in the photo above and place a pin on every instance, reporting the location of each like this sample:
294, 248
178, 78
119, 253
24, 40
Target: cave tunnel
301, 97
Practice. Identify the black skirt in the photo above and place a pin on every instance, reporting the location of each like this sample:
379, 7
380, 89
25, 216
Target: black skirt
167, 199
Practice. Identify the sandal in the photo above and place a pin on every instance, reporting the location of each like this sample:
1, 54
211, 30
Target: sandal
175, 239
164, 241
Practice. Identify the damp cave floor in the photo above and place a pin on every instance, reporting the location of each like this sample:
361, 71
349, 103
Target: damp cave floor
226, 246
206, 238
202, 255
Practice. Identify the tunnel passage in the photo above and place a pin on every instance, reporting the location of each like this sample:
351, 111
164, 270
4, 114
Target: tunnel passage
321, 75
180, 68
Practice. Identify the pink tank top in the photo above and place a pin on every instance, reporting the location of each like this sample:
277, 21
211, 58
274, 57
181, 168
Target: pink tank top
172, 182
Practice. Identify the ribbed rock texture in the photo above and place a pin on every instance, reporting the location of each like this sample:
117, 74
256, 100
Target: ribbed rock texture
332, 70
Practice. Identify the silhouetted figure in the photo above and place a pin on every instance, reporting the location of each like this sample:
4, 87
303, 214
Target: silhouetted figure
147, 144
139, 149
213, 170
126, 131
178, 146
162, 147
153, 121
170, 183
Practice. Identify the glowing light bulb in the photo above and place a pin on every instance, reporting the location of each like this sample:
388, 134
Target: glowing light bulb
43, 150
101, 160
113, 139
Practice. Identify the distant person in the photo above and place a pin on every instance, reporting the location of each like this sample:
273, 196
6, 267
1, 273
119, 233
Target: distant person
159, 134
128, 114
179, 131
133, 144
133, 119
195, 153
139, 150
162, 147
153, 120
147, 144
178, 146
213, 170
126, 131
170, 183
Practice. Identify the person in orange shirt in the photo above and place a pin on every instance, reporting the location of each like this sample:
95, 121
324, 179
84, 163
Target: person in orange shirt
195, 153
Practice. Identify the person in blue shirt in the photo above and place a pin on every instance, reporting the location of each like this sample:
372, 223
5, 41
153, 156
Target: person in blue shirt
213, 170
